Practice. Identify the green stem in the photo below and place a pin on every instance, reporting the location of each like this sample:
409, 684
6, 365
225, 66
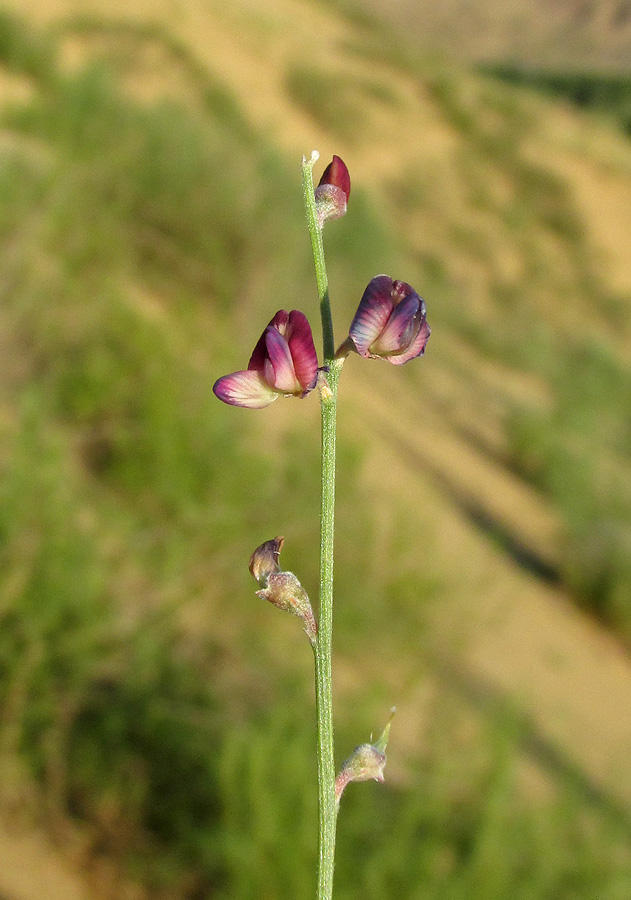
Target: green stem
315, 231
327, 814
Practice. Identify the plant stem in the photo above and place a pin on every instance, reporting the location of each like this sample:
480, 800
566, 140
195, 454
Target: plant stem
315, 231
324, 686
327, 813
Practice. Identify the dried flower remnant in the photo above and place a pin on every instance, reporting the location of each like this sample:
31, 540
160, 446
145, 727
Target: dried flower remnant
390, 323
281, 589
333, 191
366, 763
284, 363
265, 560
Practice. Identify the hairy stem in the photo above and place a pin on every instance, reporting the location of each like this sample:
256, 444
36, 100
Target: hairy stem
315, 231
323, 676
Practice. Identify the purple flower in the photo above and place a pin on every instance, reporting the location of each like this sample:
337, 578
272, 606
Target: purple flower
333, 191
284, 363
389, 323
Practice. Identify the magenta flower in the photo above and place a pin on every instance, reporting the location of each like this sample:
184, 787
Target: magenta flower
284, 364
389, 323
333, 191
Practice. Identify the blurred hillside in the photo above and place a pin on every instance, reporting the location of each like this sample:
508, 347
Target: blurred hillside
151, 224
570, 35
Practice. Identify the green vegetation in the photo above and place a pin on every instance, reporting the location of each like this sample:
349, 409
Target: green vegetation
329, 101
561, 451
136, 690
601, 92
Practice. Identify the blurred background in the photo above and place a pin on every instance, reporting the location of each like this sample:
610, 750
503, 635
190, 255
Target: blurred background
156, 718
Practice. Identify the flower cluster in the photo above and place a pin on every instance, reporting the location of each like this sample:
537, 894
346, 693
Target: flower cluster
390, 323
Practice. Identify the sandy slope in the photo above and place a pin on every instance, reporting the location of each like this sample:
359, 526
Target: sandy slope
532, 32
31, 868
518, 637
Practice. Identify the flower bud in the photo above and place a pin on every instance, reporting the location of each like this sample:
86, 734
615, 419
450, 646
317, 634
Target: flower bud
366, 763
333, 191
281, 589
